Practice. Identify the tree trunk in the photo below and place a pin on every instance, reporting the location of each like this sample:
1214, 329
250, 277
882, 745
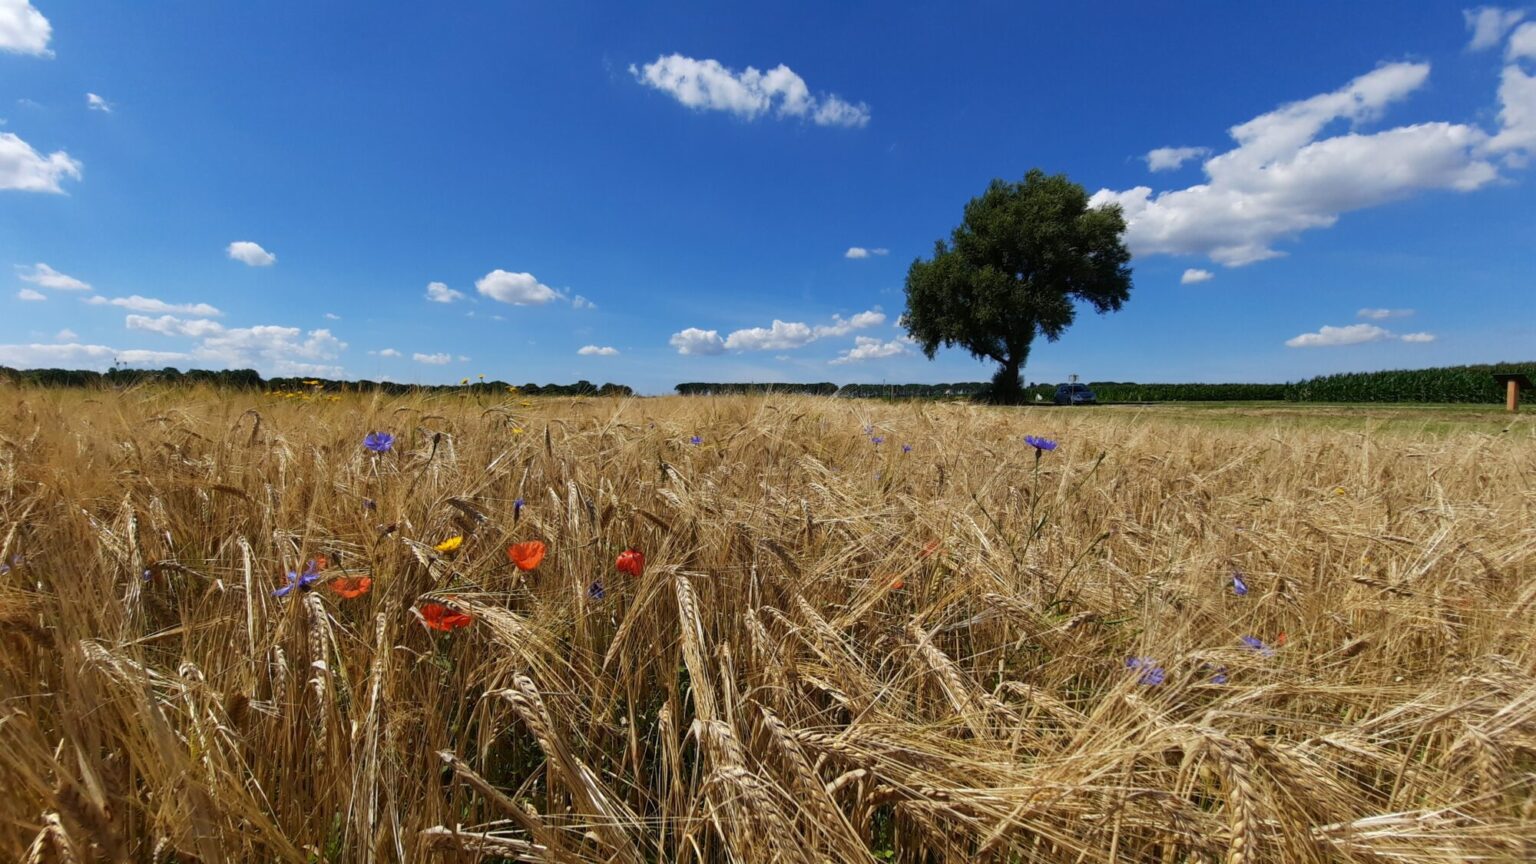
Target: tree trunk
1007, 389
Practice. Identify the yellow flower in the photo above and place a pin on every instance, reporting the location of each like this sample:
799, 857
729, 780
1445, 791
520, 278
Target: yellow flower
481, 376
465, 381
452, 544
518, 430
1340, 490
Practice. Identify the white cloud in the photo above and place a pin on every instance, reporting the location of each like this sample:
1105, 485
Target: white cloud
1194, 276
27, 170
332, 316
696, 341
439, 292
842, 327
871, 348
76, 356
1517, 104
273, 349
386, 352
95, 103
170, 325
1327, 337
1417, 337
857, 252
1383, 314
1170, 158
23, 29
749, 94
46, 277
595, 351
433, 359
580, 302
463, 359
1281, 179
1522, 43
66, 335
518, 289
250, 254
31, 295
1489, 24
135, 303
783, 334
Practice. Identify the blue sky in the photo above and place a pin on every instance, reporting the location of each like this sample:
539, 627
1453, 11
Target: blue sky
656, 195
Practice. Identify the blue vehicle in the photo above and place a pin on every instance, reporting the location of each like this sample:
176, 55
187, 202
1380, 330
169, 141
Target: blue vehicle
1075, 394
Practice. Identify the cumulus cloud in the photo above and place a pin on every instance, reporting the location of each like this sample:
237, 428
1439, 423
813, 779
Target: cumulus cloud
1170, 158
698, 342
31, 295
1489, 24
1282, 178
78, 356
595, 351
170, 325
1417, 337
95, 102
871, 348
439, 359
66, 335
518, 289
707, 85
580, 302
23, 29
386, 352
1516, 138
439, 292
273, 348
135, 303
783, 334
27, 170
1354, 334
1522, 43
250, 254
332, 316
1194, 276
842, 327
857, 252
1383, 314
44, 276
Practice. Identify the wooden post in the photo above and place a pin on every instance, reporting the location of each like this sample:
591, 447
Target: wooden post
1512, 396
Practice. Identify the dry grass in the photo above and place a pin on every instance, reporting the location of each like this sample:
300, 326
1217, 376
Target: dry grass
762, 692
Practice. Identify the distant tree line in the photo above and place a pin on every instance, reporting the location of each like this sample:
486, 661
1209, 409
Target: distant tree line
249, 379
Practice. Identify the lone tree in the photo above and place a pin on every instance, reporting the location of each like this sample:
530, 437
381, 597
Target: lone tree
1022, 257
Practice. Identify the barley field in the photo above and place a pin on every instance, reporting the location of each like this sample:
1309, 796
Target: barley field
759, 629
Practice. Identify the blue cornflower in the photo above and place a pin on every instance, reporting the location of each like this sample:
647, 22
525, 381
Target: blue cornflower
1221, 675
906, 448
379, 442
595, 590
1040, 444
695, 440
1239, 587
1151, 674
148, 574
1258, 645
303, 581
517, 509
16, 561
877, 440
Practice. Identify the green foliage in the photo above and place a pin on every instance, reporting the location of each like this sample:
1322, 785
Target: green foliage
1110, 391
1448, 384
249, 379
1022, 258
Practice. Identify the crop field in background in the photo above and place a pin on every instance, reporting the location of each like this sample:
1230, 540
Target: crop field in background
843, 631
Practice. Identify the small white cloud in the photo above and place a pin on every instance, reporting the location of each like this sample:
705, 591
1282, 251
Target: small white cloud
31, 295
66, 335
1489, 24
385, 352
170, 325
707, 85
697, 342
1170, 158
596, 351
859, 252
332, 316
1383, 314
135, 303
1522, 43
783, 334
1328, 337
23, 29
46, 277
580, 302
518, 289
433, 359
842, 327
463, 359
439, 292
95, 103
1417, 337
871, 348
250, 254
1194, 276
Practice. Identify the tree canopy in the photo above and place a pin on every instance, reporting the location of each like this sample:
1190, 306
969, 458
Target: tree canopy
1022, 258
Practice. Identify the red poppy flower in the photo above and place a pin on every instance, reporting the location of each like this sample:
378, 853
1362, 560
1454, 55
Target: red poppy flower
319, 562
897, 583
932, 547
631, 561
526, 555
351, 586
440, 617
